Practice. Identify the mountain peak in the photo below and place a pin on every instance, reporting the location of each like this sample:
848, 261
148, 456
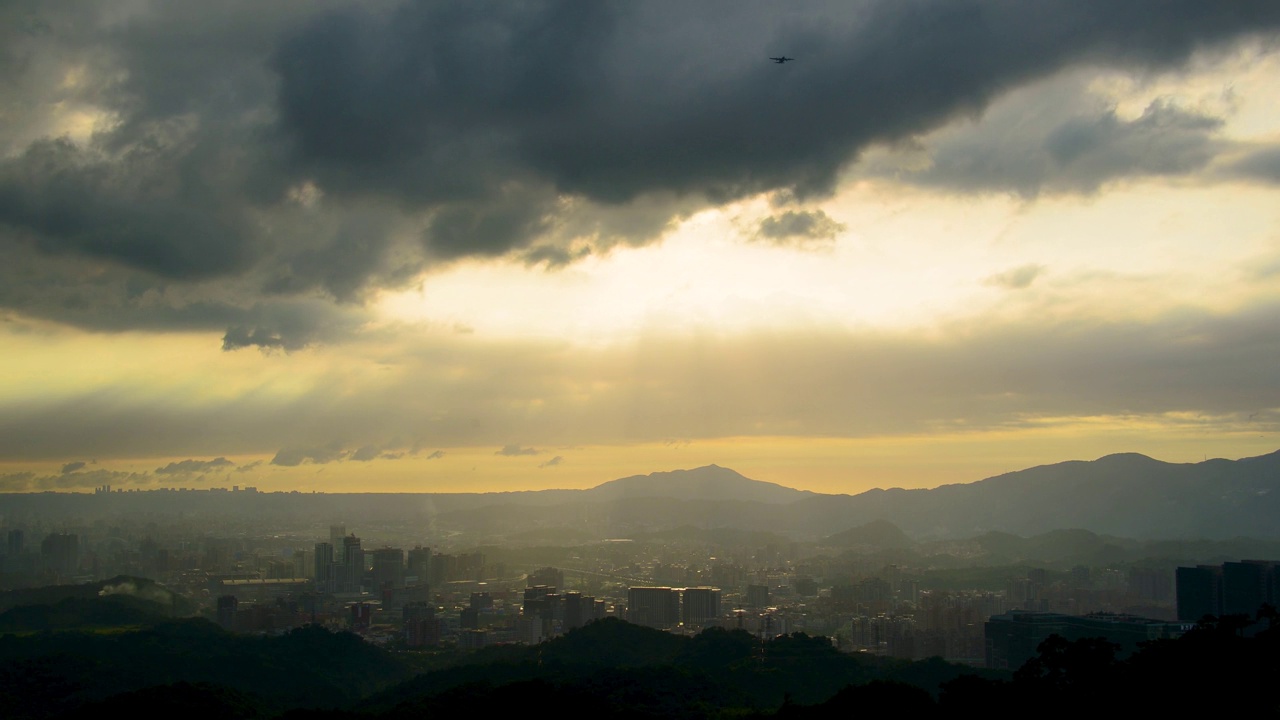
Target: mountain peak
709, 482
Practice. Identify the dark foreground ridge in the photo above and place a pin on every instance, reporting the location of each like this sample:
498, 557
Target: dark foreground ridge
191, 668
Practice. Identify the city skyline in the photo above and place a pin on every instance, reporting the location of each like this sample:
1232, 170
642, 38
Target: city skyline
385, 247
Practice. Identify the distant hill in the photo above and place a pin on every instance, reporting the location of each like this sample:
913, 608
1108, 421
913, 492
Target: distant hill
150, 595
705, 483
1126, 495
877, 534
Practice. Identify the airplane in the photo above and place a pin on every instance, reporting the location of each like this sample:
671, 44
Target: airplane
781, 60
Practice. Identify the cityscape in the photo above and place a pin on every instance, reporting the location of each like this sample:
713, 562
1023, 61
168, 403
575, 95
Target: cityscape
727, 360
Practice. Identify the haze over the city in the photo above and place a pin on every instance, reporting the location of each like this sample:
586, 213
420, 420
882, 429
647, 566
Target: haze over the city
465, 247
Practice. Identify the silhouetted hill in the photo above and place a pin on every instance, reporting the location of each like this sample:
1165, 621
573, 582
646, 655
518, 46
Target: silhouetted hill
163, 601
50, 674
705, 483
1125, 495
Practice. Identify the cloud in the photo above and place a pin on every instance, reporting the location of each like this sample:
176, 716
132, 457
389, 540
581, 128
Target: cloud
1058, 138
195, 467
516, 451
1262, 164
553, 462
73, 466
31, 482
1018, 278
366, 453
267, 181
798, 227
247, 467
320, 455
1040, 361
436, 455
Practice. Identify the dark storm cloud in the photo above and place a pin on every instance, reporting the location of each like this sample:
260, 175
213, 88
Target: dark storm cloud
618, 101
144, 210
799, 226
255, 154
1262, 164
194, 467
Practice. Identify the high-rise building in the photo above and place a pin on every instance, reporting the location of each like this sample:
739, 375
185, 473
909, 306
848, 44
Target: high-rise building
60, 553
388, 568
548, 576
699, 605
15, 543
1247, 586
336, 534
757, 596
419, 565
1199, 592
1232, 588
656, 607
352, 576
325, 567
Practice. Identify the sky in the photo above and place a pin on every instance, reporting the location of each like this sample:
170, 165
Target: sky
468, 247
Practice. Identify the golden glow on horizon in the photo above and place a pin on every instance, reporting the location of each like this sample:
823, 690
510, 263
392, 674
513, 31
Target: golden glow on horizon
826, 465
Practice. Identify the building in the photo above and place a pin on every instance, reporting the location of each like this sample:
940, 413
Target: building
388, 568
1199, 592
1013, 638
655, 607
351, 577
336, 534
757, 596
1233, 588
548, 576
325, 567
699, 606
60, 553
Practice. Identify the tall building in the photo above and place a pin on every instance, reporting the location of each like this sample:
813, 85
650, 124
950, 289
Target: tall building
1199, 592
1247, 586
352, 576
336, 534
1232, 588
655, 607
421, 626
15, 544
60, 553
699, 605
757, 596
388, 568
419, 564
325, 567
548, 576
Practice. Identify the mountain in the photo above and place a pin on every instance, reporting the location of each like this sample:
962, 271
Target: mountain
1128, 495
705, 483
